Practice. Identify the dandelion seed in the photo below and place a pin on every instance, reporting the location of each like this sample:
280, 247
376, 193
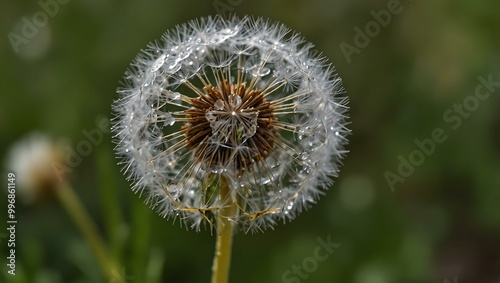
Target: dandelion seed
242, 101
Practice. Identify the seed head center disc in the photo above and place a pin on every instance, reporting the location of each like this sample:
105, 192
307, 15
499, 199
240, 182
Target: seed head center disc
230, 127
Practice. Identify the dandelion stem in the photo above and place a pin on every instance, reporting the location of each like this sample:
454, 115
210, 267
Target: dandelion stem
222, 257
82, 219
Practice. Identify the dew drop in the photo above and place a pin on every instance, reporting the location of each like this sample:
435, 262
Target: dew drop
183, 55
217, 170
227, 31
235, 101
173, 95
219, 104
261, 72
265, 181
250, 131
174, 190
168, 119
210, 116
172, 65
158, 63
288, 207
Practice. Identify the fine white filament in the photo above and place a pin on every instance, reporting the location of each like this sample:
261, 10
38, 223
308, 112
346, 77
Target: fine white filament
270, 184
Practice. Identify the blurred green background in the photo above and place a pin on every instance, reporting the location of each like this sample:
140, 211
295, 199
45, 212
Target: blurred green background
441, 223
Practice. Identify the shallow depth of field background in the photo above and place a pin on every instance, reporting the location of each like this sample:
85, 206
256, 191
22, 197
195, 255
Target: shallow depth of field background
442, 223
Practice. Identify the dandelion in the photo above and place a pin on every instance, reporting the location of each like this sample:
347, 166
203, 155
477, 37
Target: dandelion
240, 101
35, 161
32, 159
237, 120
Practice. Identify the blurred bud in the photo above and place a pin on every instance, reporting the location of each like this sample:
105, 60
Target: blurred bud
32, 159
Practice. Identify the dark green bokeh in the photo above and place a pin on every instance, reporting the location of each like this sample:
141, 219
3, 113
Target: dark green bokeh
442, 222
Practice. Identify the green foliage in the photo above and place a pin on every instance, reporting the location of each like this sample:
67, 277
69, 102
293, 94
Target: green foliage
441, 222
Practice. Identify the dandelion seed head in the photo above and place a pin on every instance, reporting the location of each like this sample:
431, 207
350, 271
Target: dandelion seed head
242, 99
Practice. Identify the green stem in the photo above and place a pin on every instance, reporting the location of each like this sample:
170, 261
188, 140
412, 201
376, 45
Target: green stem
140, 240
80, 216
222, 257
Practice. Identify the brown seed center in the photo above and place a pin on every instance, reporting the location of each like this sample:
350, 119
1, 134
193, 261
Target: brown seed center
230, 127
